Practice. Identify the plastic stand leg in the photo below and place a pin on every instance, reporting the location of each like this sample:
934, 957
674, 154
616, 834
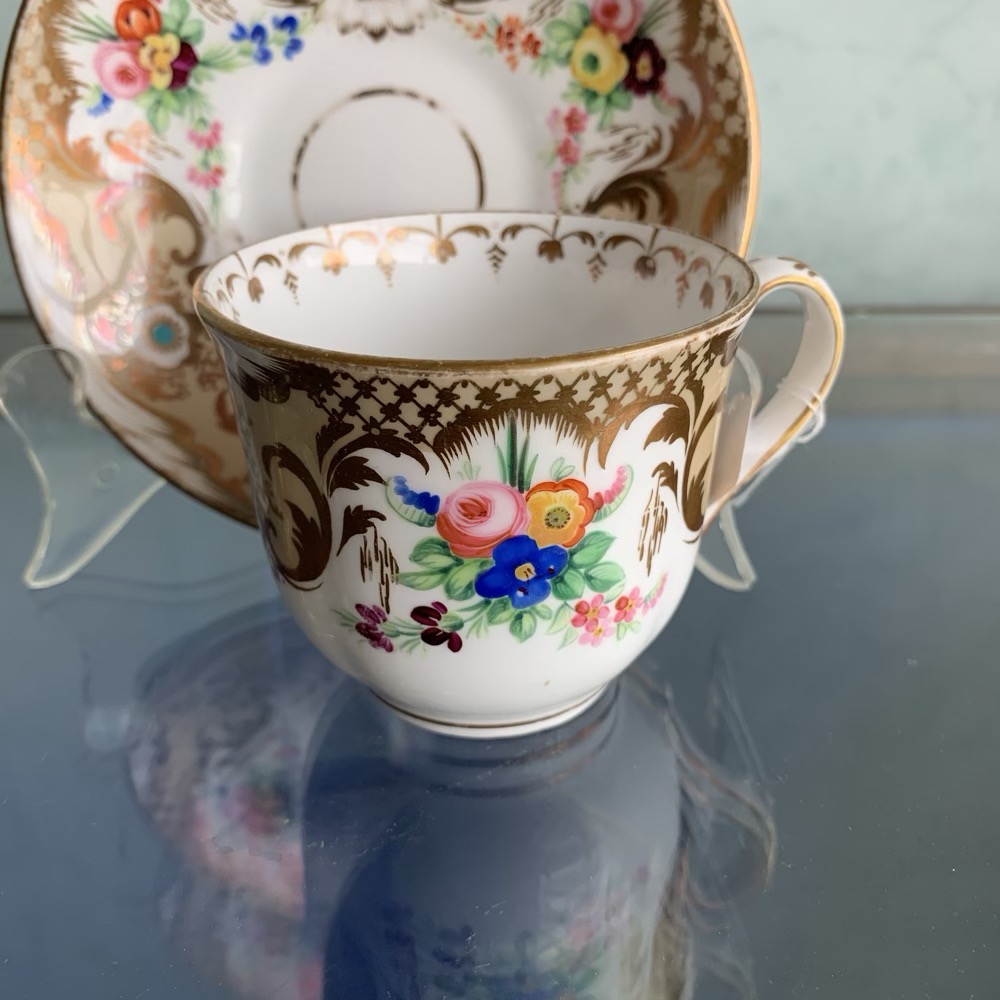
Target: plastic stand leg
91, 484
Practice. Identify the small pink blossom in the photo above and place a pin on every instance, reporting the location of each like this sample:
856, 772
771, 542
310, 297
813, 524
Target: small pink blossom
207, 179
554, 121
590, 613
118, 69
596, 635
575, 120
569, 152
206, 138
627, 605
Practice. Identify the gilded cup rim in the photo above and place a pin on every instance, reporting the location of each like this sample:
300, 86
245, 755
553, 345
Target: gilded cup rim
217, 322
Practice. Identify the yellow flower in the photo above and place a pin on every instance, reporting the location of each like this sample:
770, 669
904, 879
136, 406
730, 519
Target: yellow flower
559, 512
156, 55
597, 61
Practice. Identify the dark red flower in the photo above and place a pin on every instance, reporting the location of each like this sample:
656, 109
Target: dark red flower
186, 61
646, 66
433, 634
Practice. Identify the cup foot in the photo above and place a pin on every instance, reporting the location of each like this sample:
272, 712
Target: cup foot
492, 732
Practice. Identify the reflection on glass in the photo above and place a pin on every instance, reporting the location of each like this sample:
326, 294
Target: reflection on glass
335, 851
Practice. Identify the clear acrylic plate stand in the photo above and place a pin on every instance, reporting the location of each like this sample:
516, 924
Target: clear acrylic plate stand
92, 485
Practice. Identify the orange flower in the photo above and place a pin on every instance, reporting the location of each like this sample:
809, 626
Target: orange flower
559, 512
135, 19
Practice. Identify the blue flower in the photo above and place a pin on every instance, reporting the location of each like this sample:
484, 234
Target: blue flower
289, 25
522, 571
429, 503
102, 106
256, 35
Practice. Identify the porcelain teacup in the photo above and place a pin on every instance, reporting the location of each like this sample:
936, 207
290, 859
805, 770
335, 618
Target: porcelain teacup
483, 446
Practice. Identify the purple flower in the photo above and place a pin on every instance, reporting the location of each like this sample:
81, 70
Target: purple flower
372, 617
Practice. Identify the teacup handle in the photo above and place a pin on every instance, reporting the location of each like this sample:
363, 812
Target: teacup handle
810, 379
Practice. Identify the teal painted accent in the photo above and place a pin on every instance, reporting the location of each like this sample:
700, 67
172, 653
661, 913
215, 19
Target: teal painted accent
162, 334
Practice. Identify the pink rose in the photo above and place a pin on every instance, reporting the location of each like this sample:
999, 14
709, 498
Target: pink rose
118, 69
476, 517
617, 17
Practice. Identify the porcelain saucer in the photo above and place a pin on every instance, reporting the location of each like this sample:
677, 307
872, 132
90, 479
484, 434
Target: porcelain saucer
144, 138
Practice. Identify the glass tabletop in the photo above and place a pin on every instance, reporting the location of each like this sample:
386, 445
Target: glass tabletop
788, 796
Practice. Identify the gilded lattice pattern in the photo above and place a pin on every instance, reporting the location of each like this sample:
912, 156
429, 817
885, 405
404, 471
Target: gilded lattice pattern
363, 412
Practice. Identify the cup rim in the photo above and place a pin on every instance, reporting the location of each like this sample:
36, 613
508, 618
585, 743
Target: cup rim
286, 350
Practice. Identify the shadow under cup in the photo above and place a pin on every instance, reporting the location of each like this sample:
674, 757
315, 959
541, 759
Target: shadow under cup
481, 445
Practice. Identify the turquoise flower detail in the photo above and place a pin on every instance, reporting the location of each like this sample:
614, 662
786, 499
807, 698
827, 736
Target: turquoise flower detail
522, 571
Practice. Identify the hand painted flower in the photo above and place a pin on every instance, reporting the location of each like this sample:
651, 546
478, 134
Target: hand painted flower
559, 512
522, 571
596, 635
119, 71
589, 614
207, 136
646, 66
370, 626
182, 65
568, 152
434, 633
135, 19
478, 516
597, 61
617, 17
157, 55
628, 605
575, 120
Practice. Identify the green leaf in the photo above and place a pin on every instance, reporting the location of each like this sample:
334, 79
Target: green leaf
569, 584
543, 611
530, 471
569, 637
192, 30
578, 14
591, 550
561, 619
407, 511
563, 52
174, 15
434, 554
604, 576
610, 508
171, 101
621, 630
391, 629
425, 580
560, 31
634, 626
620, 98
561, 470
523, 625
451, 622
460, 583
159, 118
499, 611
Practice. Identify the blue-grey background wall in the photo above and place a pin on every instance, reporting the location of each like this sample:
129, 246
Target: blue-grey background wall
880, 124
